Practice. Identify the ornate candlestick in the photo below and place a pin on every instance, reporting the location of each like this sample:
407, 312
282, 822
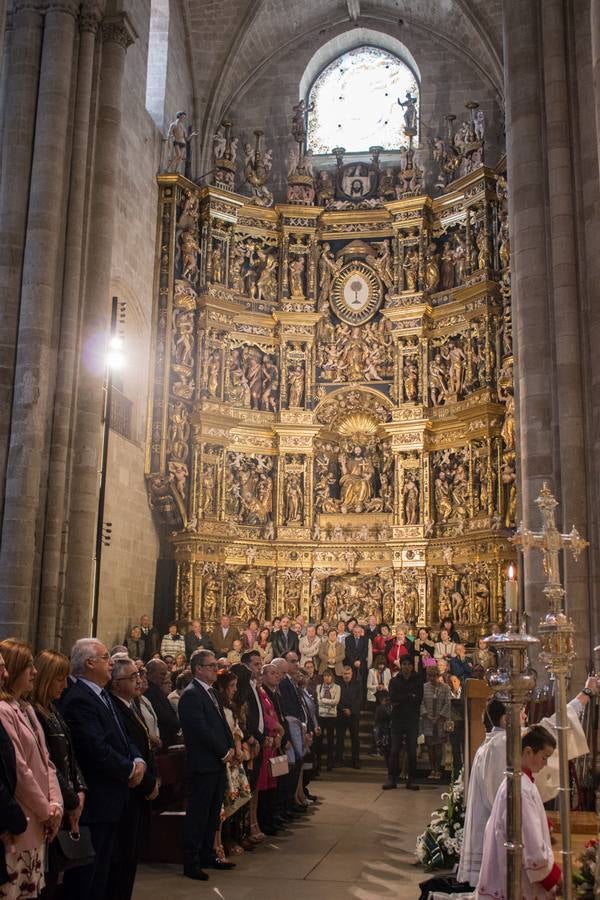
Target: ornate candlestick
556, 631
514, 681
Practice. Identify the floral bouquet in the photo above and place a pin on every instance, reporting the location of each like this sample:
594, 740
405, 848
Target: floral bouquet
440, 844
584, 876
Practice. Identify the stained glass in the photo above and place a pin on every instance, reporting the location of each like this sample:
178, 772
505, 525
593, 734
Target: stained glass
354, 102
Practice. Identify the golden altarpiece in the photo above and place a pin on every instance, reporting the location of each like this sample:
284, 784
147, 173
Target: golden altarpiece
331, 428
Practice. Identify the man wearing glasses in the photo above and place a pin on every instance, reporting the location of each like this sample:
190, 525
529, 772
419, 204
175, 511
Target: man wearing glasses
209, 746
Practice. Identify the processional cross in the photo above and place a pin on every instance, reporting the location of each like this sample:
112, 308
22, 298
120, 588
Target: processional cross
550, 542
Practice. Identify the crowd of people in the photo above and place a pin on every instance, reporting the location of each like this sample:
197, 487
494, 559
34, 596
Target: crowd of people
258, 711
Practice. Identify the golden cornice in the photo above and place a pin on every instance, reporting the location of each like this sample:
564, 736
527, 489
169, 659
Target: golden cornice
291, 211
283, 317
336, 217
421, 308
417, 205
268, 215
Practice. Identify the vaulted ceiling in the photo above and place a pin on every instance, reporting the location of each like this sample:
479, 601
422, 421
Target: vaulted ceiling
232, 41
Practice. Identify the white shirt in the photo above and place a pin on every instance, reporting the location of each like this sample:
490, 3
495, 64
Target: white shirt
208, 688
261, 720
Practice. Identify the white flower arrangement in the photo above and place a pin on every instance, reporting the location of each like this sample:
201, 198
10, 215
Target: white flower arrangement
440, 844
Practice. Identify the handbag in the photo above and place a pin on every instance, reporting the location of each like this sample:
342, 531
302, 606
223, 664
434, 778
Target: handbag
279, 765
69, 850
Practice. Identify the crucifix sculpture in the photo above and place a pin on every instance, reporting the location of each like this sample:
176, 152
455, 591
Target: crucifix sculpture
556, 631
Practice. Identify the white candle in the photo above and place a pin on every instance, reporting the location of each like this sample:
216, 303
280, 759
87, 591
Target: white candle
511, 591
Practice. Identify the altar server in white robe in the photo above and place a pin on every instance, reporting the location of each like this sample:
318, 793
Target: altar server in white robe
539, 875
488, 770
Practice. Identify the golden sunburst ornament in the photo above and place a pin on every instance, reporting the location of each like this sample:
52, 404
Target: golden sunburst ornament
357, 424
356, 293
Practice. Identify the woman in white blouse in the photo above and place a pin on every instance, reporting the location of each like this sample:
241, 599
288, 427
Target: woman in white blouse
444, 647
309, 645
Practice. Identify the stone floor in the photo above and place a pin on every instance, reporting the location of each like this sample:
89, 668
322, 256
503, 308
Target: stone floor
359, 843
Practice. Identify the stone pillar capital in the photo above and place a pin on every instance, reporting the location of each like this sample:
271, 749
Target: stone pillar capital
91, 15
119, 30
36, 6
69, 7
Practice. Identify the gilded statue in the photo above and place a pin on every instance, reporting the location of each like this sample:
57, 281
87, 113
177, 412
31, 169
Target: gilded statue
294, 498
459, 607
325, 188
189, 254
179, 431
296, 386
210, 598
410, 494
217, 264
331, 606
208, 492
270, 384
328, 269
483, 253
481, 606
432, 268
239, 389
456, 367
237, 264
447, 267
460, 492
410, 267
444, 602
460, 260
410, 378
257, 169
410, 603
183, 337
443, 503
296, 275
212, 373
179, 474
356, 480
253, 371
508, 427
438, 385
266, 284
383, 263
504, 241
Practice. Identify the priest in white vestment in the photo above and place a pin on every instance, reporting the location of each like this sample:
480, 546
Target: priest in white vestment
539, 875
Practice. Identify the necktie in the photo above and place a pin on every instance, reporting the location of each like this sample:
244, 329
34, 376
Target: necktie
327, 692
108, 703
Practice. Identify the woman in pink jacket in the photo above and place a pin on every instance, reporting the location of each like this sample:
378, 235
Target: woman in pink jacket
37, 791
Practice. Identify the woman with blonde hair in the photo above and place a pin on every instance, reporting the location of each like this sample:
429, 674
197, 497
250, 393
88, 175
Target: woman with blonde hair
50, 682
37, 790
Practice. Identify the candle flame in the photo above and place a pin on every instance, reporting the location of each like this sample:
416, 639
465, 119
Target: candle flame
511, 572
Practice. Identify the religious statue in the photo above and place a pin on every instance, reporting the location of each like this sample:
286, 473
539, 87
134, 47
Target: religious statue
189, 254
183, 337
410, 603
432, 268
447, 267
179, 474
443, 503
411, 499
383, 263
385, 189
294, 498
456, 367
459, 607
411, 270
481, 606
257, 169
504, 243
216, 260
409, 105
250, 491
178, 140
208, 491
483, 253
444, 602
328, 269
270, 384
508, 426
253, 371
410, 378
213, 367
296, 274
300, 111
325, 188
296, 386
239, 389
179, 431
438, 386
185, 385
460, 259
210, 598
356, 481
266, 284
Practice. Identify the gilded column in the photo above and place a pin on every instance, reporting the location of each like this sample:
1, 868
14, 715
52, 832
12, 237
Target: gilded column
21, 71
117, 36
62, 423
27, 464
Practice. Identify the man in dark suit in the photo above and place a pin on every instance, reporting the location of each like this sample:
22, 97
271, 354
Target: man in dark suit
111, 764
12, 817
125, 686
223, 636
357, 652
285, 639
406, 694
168, 723
348, 716
195, 640
150, 637
210, 747
295, 714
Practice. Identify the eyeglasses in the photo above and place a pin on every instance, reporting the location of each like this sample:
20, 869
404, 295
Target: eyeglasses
209, 666
104, 656
135, 677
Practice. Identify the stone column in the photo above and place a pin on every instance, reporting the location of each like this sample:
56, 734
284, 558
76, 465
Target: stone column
534, 374
117, 35
21, 71
595, 32
566, 310
62, 423
26, 474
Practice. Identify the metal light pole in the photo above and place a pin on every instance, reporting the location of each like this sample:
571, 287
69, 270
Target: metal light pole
514, 680
114, 345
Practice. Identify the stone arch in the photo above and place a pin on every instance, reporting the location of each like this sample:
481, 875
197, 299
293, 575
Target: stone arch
347, 401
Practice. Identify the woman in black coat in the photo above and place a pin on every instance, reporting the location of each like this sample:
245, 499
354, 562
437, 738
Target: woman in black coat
51, 680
